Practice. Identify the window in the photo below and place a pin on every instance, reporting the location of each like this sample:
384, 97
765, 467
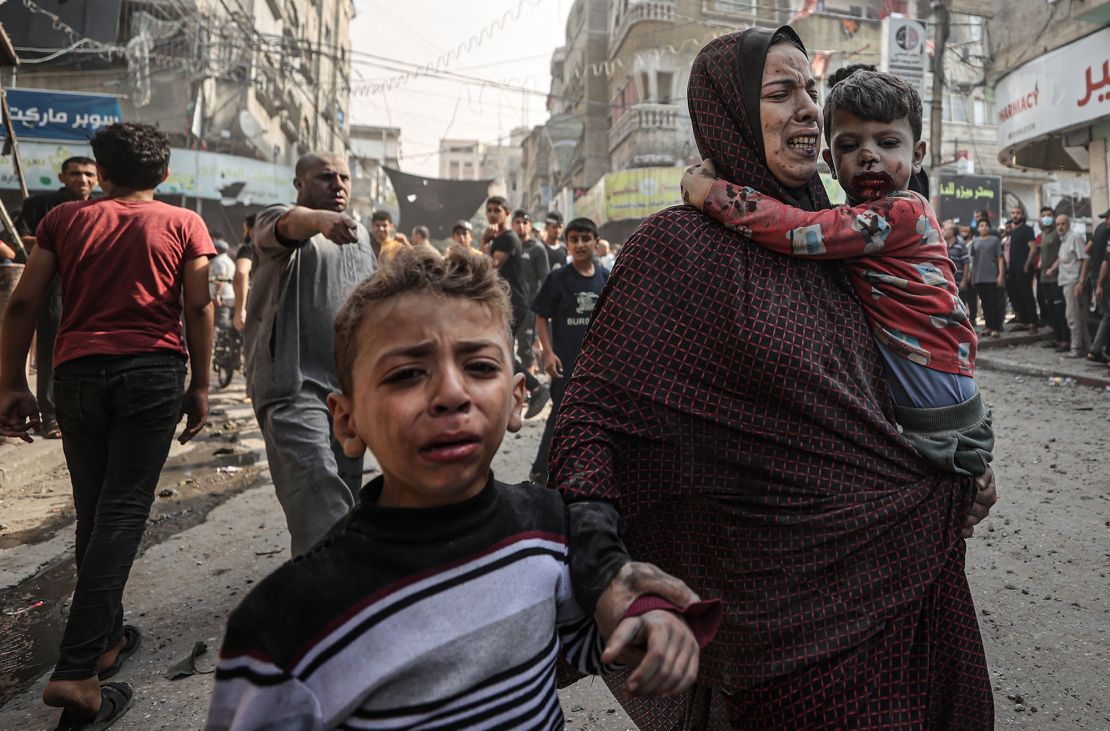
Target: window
664, 82
468, 171
645, 86
955, 108
454, 174
975, 27
983, 112
734, 7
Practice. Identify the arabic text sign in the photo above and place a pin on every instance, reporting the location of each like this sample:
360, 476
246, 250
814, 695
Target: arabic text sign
49, 115
207, 175
962, 195
640, 192
1061, 89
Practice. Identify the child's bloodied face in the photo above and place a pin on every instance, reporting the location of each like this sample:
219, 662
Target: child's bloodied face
433, 395
872, 159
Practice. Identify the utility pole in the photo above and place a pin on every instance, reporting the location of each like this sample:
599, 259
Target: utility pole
936, 111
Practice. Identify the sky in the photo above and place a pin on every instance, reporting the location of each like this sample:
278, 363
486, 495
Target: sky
505, 41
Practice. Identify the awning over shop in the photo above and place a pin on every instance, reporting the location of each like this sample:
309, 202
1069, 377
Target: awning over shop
1038, 103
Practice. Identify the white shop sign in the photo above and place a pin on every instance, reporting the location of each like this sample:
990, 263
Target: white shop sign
1061, 89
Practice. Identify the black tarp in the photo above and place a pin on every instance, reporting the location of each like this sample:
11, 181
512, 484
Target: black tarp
95, 19
434, 202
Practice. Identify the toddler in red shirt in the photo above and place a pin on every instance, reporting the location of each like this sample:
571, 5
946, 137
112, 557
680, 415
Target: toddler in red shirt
889, 240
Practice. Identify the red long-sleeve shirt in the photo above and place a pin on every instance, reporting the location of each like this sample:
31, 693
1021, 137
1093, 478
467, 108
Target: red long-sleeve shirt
896, 259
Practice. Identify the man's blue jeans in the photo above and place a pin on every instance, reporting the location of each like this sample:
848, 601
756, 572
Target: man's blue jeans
117, 415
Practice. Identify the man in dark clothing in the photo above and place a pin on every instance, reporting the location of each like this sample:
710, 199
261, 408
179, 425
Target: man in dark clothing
505, 249
556, 251
1096, 268
536, 268
78, 178
1019, 272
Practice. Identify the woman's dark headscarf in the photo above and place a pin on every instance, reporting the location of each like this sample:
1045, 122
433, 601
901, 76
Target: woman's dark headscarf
725, 87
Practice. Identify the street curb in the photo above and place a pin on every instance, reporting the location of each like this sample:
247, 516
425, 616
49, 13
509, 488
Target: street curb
1022, 369
1005, 342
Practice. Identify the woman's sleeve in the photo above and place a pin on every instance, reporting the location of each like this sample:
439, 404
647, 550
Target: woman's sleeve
843, 232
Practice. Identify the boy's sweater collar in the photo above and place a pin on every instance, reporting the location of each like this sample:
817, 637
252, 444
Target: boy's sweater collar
420, 524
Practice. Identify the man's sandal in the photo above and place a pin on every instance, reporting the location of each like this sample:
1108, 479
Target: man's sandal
115, 699
133, 640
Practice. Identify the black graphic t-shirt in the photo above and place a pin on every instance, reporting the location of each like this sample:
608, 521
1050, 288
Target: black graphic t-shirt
567, 300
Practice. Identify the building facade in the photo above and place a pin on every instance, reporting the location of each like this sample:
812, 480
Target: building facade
1052, 96
372, 150
460, 159
242, 87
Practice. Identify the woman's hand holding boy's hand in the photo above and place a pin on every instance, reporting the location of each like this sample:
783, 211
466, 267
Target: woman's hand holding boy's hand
663, 648
696, 182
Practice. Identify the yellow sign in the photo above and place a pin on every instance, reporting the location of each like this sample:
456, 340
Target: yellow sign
640, 192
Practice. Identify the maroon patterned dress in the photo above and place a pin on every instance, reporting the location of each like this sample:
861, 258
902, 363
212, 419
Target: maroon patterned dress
730, 402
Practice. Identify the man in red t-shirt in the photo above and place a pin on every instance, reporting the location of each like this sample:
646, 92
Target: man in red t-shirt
119, 387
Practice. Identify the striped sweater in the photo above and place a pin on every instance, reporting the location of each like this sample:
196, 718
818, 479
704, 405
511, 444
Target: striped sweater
404, 618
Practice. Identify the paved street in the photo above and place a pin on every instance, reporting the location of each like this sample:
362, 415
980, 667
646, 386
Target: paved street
1038, 567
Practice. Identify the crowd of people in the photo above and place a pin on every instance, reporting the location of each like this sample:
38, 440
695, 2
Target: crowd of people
769, 402
1048, 276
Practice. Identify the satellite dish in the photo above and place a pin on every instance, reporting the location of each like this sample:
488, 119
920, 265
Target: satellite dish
249, 125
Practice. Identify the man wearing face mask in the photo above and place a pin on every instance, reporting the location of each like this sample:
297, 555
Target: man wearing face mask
1053, 295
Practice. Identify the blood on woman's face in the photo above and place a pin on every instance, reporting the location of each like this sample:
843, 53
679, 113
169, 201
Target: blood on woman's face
789, 115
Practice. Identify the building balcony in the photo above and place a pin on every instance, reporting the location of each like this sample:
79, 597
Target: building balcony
649, 135
636, 12
643, 118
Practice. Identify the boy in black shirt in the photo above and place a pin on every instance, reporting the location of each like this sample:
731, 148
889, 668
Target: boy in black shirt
506, 251
563, 308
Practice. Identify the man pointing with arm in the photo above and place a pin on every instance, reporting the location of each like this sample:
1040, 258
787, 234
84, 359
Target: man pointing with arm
309, 258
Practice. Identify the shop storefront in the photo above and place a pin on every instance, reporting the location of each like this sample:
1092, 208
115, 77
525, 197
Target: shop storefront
1054, 112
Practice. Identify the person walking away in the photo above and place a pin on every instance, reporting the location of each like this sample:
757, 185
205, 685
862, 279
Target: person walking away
556, 250
988, 269
240, 283
1100, 271
536, 268
1069, 266
563, 309
1019, 271
309, 258
78, 178
505, 249
119, 387
221, 271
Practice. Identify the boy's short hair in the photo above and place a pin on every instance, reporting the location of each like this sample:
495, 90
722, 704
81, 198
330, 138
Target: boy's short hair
418, 270
1048, 209
521, 213
874, 95
845, 71
423, 231
582, 225
77, 160
133, 155
499, 201
554, 217
381, 216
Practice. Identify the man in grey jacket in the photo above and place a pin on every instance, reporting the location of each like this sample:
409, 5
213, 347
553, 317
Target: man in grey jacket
309, 258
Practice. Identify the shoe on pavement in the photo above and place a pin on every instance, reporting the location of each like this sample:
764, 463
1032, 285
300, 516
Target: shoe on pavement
537, 401
115, 699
